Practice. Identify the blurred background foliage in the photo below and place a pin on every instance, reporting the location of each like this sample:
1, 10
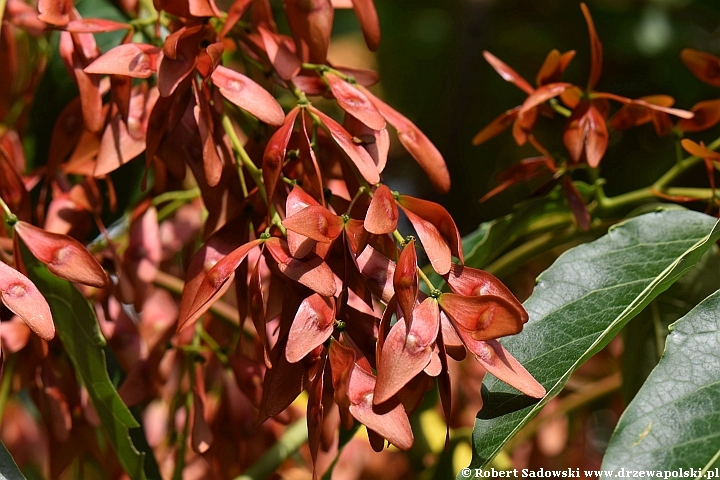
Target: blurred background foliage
432, 69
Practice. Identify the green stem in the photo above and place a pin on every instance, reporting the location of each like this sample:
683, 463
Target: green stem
294, 437
612, 205
247, 163
359, 193
425, 279
214, 346
176, 195
10, 217
182, 441
509, 262
559, 108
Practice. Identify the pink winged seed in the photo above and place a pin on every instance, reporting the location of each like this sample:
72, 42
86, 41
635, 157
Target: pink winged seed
65, 257
22, 297
248, 95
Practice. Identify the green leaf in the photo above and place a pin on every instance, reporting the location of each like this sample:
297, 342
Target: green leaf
673, 421
8, 468
493, 238
644, 336
77, 327
580, 303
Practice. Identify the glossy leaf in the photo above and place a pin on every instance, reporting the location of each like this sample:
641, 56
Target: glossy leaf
80, 335
645, 336
670, 423
581, 302
8, 468
703, 65
248, 95
492, 238
507, 73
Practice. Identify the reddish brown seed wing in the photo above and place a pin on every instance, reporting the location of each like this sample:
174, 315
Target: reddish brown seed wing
507, 73
485, 317
382, 215
497, 126
65, 257
369, 23
358, 155
274, 155
355, 102
417, 144
595, 49
22, 297
315, 222
405, 353
94, 25
586, 134
248, 95
312, 325
703, 65
707, 115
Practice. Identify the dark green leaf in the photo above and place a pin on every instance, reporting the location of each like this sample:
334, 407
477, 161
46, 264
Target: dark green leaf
77, 327
493, 238
8, 468
673, 421
581, 303
644, 336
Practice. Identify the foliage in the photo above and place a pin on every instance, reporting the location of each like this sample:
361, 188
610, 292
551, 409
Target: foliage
205, 270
